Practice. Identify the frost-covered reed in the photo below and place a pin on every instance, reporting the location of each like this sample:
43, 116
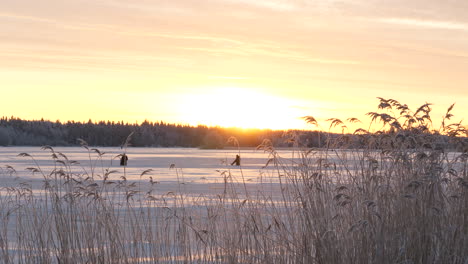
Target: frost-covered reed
402, 197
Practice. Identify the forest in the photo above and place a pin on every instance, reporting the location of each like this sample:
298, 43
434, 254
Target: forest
17, 132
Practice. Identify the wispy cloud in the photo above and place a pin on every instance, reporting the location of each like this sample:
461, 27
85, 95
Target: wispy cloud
182, 36
117, 29
249, 51
228, 77
25, 17
434, 24
278, 5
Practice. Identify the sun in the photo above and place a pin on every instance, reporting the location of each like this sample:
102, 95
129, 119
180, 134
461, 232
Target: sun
240, 107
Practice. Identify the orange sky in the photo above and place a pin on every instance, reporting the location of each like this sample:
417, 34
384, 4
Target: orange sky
262, 63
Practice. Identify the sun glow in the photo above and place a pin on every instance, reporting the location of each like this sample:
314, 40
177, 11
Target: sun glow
243, 108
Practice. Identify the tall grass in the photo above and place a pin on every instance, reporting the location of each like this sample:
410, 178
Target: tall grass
402, 197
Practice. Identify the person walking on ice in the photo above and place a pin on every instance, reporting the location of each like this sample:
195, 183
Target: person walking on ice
236, 161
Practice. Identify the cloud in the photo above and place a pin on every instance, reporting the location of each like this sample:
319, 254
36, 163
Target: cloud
277, 5
434, 24
228, 77
180, 36
25, 17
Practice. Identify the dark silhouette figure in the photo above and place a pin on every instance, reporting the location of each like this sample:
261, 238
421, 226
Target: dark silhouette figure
236, 161
123, 160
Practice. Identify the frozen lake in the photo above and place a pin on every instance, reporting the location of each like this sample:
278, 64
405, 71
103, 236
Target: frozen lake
199, 170
194, 165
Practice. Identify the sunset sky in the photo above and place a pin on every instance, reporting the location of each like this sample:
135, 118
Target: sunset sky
262, 63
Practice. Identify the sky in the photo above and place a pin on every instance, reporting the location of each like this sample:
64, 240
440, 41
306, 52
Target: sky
262, 63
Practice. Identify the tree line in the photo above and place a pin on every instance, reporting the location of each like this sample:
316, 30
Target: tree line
18, 132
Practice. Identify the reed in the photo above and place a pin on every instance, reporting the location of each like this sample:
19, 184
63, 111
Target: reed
402, 197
